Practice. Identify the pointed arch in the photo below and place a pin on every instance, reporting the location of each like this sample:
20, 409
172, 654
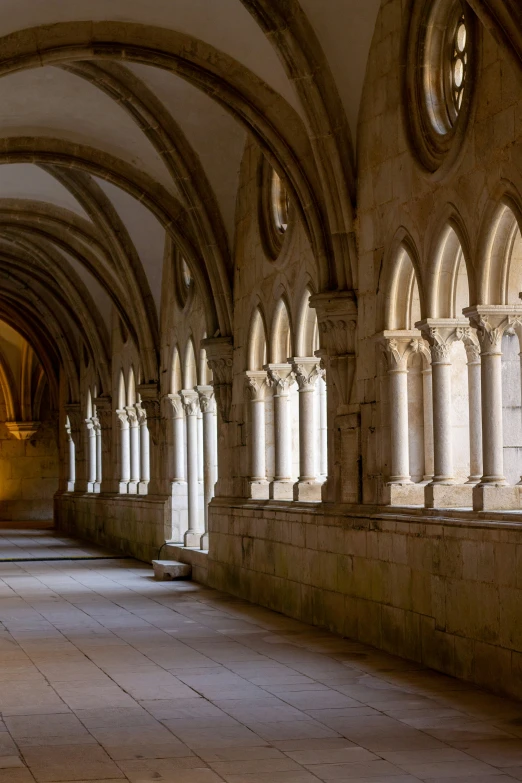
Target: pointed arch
307, 330
282, 342
257, 341
176, 378
190, 370
403, 302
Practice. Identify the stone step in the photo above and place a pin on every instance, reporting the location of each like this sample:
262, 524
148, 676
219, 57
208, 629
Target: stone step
164, 570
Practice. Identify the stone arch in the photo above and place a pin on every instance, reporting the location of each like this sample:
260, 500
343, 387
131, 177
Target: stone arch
176, 378
451, 277
131, 386
307, 328
9, 389
403, 295
122, 390
501, 263
281, 338
190, 368
257, 341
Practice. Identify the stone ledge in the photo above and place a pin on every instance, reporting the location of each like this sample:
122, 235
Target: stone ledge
197, 558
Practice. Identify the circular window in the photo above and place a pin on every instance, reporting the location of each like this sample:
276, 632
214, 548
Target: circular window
440, 66
275, 210
183, 280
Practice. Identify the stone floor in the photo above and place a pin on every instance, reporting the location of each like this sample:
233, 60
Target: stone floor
106, 675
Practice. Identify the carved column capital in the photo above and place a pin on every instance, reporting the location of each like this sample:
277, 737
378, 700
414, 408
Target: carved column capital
177, 405
398, 345
190, 402
207, 400
74, 414
104, 412
121, 413
256, 382
132, 415
220, 352
492, 322
151, 404
440, 334
307, 370
141, 414
280, 378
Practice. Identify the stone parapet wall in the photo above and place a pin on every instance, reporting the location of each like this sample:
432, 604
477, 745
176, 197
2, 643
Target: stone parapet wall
444, 592
131, 525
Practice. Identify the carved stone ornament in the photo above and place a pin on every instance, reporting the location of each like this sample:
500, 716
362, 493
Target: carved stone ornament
492, 322
256, 382
22, 430
398, 345
104, 412
280, 377
307, 373
441, 333
177, 405
132, 415
141, 414
207, 400
190, 402
219, 352
74, 414
121, 413
151, 404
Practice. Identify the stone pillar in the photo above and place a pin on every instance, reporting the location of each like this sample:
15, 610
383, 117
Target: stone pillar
281, 378
442, 491
143, 486
191, 405
134, 440
491, 322
159, 476
91, 447
177, 469
99, 466
427, 398
256, 384
123, 485
77, 429
307, 372
105, 417
337, 320
207, 404
396, 346
71, 472
475, 411
323, 430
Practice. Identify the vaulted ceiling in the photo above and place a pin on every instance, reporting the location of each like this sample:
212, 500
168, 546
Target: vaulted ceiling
124, 120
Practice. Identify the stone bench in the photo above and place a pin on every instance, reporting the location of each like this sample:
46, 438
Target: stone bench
165, 570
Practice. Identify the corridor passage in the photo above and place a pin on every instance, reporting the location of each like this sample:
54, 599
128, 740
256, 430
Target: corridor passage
107, 675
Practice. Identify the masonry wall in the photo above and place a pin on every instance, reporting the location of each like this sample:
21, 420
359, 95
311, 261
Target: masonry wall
444, 592
28, 474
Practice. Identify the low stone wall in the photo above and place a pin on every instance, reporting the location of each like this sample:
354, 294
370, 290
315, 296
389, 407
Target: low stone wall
134, 525
443, 592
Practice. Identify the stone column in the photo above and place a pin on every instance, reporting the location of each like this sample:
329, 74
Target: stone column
77, 428
91, 444
134, 441
307, 372
123, 486
105, 417
71, 477
99, 468
207, 404
397, 348
491, 322
442, 491
323, 430
427, 398
177, 469
143, 486
281, 378
256, 384
475, 410
191, 405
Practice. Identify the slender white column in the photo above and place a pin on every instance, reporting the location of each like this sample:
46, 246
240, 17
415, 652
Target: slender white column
99, 470
323, 430
144, 450
92, 454
207, 404
440, 334
124, 451
72, 459
475, 411
397, 348
134, 433
307, 372
178, 434
281, 379
256, 384
191, 406
427, 397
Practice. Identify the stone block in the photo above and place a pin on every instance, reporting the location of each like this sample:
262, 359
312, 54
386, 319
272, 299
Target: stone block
448, 495
165, 570
496, 497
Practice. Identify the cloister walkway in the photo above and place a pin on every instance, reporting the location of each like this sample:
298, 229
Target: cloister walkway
107, 675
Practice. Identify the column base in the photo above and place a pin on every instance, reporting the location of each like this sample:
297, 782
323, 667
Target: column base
408, 494
448, 496
307, 491
123, 487
192, 539
143, 488
132, 488
258, 490
281, 490
203, 542
496, 497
